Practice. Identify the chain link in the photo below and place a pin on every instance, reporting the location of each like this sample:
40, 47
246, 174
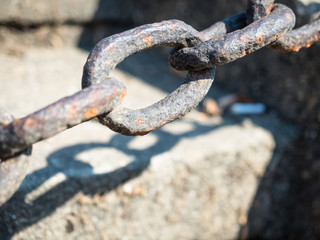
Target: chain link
112, 50
293, 41
237, 44
263, 24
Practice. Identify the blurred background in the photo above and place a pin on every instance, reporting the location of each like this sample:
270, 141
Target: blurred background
215, 174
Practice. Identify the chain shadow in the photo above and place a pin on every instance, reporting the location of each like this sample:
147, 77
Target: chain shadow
30, 213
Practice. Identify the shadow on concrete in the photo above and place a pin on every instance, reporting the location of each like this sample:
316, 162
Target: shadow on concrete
45, 204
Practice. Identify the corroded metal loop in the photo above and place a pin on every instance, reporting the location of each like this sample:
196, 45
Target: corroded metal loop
236, 44
59, 116
174, 106
294, 40
13, 170
112, 50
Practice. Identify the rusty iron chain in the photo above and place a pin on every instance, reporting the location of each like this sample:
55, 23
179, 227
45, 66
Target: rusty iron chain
294, 40
263, 24
112, 50
237, 44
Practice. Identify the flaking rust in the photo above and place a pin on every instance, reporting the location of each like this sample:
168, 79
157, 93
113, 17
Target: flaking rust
139, 121
148, 40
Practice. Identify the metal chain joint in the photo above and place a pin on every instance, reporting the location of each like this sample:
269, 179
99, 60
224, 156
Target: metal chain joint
263, 24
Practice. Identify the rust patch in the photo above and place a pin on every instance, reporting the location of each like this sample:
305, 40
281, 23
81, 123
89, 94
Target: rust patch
288, 16
259, 39
148, 40
308, 45
139, 121
29, 122
109, 63
247, 51
92, 112
245, 38
123, 93
72, 109
144, 132
110, 48
269, 10
293, 49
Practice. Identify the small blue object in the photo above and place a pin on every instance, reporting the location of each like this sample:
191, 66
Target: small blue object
248, 108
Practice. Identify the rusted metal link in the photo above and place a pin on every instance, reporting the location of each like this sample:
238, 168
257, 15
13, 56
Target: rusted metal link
236, 44
57, 117
294, 40
13, 170
302, 37
174, 106
112, 50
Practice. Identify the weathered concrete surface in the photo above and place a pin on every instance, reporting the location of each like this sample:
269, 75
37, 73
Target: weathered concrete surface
195, 178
